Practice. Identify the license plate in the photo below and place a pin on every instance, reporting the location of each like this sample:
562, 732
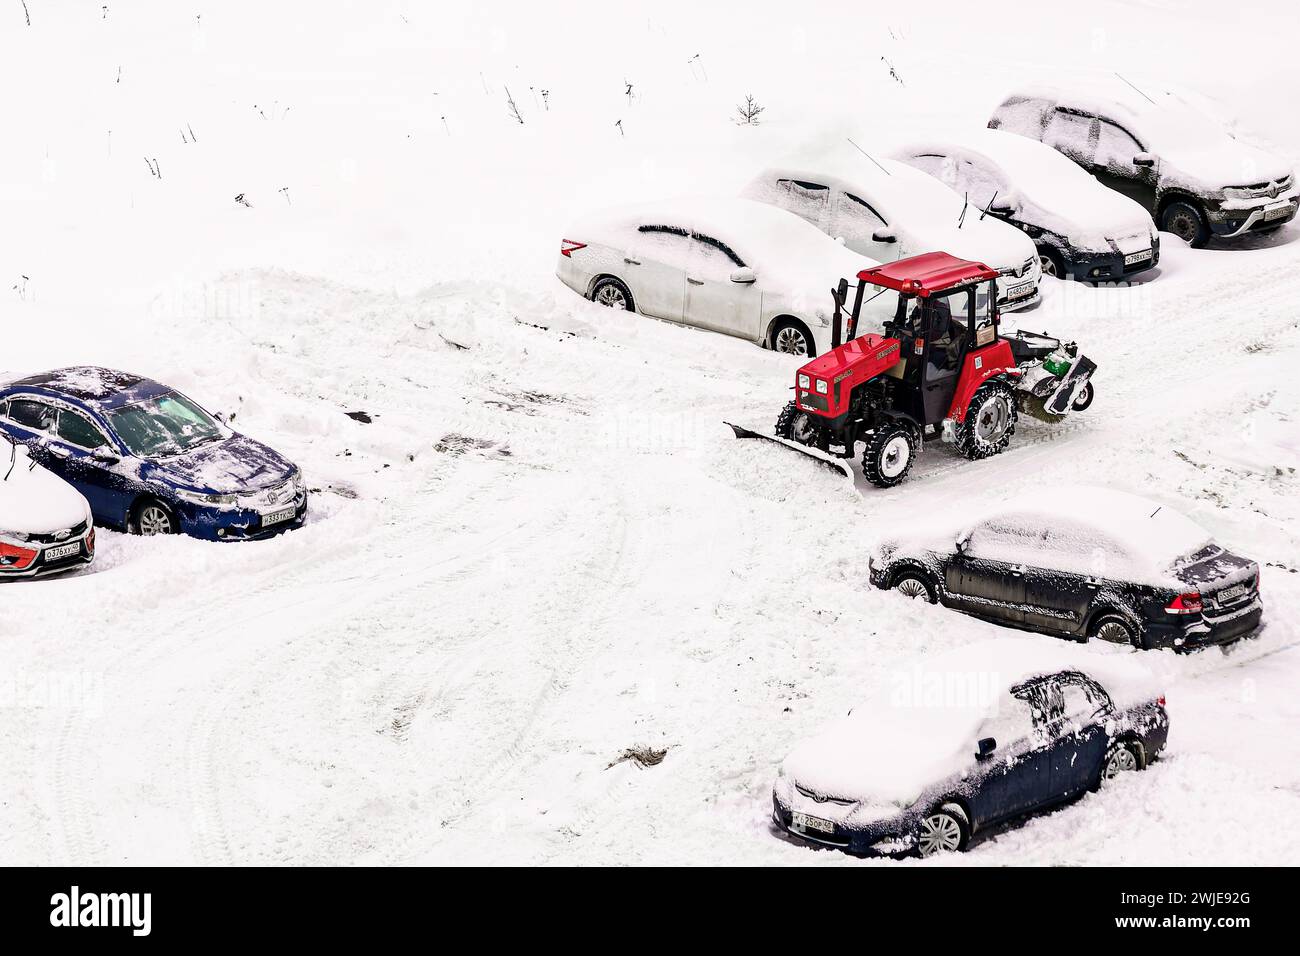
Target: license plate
62, 551
1232, 593
1133, 257
801, 821
275, 517
1019, 291
1277, 212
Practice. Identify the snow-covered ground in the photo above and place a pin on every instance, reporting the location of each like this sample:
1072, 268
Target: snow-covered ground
546, 548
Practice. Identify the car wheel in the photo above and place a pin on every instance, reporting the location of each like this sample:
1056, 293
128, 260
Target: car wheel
944, 830
1187, 222
612, 293
1083, 398
990, 421
1119, 759
792, 338
154, 517
914, 584
795, 424
1115, 630
889, 454
1051, 264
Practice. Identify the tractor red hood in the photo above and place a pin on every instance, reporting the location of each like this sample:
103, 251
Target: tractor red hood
866, 356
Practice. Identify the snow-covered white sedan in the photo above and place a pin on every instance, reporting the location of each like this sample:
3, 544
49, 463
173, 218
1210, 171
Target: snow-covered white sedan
1081, 562
734, 266
886, 210
1082, 229
45, 523
967, 739
1195, 178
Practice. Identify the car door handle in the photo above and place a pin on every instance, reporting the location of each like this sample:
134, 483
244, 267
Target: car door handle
694, 281
1017, 570
59, 451
630, 261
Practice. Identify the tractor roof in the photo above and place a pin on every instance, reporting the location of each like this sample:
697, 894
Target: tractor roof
927, 274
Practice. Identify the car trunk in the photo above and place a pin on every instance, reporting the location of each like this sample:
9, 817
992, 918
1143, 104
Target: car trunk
1225, 580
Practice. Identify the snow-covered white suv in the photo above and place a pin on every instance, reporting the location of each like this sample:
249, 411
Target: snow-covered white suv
887, 210
1195, 178
734, 266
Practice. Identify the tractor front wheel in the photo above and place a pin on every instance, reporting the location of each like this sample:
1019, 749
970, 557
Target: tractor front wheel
889, 454
990, 421
794, 424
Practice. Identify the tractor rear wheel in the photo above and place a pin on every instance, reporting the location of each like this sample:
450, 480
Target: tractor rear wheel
990, 421
794, 424
889, 454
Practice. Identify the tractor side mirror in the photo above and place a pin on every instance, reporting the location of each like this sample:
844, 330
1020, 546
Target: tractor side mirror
1145, 160
986, 748
744, 275
884, 235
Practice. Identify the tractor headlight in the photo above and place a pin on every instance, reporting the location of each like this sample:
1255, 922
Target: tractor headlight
821, 386
803, 382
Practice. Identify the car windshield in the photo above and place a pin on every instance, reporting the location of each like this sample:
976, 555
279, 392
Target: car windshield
167, 425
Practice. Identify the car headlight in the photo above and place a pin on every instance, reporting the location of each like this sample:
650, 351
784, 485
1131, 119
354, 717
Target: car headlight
205, 499
821, 386
298, 483
804, 382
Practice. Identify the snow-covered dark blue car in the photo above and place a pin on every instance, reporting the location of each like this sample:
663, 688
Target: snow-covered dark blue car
150, 460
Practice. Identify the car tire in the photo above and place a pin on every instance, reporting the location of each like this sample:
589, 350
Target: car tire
990, 421
945, 829
1186, 221
914, 584
793, 338
1083, 399
1114, 629
795, 424
151, 516
1121, 757
1050, 261
889, 455
612, 293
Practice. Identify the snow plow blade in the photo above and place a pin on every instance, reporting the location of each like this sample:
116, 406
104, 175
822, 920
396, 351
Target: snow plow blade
822, 458
1063, 398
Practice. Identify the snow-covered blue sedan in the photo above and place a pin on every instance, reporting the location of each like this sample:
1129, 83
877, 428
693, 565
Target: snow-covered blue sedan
150, 460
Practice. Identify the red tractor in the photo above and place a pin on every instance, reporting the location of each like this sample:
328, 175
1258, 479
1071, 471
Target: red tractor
941, 370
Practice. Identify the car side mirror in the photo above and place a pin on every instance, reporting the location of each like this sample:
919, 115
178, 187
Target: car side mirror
986, 748
1145, 160
1003, 207
883, 235
962, 544
744, 275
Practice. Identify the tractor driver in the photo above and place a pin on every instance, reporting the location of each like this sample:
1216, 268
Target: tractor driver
945, 348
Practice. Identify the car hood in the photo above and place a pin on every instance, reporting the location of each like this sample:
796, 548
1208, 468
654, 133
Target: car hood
35, 501
234, 465
884, 758
1227, 162
988, 240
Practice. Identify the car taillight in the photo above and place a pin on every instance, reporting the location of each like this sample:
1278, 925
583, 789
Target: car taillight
90, 541
1188, 603
12, 556
1161, 700
568, 247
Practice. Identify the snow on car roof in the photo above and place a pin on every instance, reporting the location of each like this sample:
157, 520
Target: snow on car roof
1043, 177
92, 383
922, 721
1099, 532
764, 237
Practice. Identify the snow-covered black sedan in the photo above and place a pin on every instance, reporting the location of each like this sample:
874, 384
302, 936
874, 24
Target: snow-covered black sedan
1081, 229
967, 740
1081, 563
150, 460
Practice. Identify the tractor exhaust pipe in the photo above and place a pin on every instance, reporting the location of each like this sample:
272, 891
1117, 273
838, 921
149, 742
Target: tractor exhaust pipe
840, 294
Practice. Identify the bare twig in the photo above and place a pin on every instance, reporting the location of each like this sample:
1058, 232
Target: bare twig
749, 111
514, 109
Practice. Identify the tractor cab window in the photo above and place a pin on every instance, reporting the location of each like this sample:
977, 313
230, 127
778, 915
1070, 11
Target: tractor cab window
949, 315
